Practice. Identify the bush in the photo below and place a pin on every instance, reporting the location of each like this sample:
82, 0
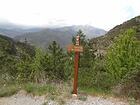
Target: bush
122, 59
123, 64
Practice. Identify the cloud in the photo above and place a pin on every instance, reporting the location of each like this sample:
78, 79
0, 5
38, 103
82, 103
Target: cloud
99, 13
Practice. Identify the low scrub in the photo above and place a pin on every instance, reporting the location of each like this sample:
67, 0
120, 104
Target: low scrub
8, 90
33, 88
40, 89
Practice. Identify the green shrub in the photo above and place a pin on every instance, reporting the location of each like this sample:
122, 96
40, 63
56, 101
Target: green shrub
122, 58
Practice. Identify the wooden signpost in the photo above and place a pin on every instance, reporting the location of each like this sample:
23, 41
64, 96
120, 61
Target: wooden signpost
77, 49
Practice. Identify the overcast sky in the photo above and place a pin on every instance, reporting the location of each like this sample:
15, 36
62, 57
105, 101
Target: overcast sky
103, 14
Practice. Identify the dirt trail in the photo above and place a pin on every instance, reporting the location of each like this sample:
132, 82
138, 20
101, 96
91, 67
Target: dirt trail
97, 101
26, 99
22, 99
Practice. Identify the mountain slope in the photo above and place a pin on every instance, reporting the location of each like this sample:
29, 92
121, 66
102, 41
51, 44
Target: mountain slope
44, 38
61, 35
9, 47
103, 42
10, 32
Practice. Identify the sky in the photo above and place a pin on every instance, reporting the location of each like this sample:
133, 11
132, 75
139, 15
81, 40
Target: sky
103, 14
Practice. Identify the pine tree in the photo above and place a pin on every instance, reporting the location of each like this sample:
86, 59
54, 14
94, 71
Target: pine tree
36, 66
56, 60
87, 56
86, 72
23, 67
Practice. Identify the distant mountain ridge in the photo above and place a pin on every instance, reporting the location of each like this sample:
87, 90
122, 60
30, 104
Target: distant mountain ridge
90, 31
42, 37
62, 35
12, 30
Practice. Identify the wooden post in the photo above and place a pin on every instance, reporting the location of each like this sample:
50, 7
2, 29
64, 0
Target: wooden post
76, 66
77, 49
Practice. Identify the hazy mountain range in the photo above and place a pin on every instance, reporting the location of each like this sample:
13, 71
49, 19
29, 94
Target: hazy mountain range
43, 36
62, 35
12, 30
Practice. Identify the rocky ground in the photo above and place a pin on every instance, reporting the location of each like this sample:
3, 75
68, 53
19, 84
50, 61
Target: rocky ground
96, 101
22, 98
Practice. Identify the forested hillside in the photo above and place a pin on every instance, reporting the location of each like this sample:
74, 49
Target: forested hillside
11, 53
120, 50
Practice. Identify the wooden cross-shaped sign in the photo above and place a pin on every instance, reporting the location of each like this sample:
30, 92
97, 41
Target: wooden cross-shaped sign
77, 49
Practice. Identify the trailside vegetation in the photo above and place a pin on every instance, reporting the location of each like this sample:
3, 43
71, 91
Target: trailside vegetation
119, 66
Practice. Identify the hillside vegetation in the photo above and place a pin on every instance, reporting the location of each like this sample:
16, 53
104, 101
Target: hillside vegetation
10, 54
103, 42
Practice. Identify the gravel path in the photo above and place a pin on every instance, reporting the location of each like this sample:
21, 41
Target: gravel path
26, 99
96, 101
22, 98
